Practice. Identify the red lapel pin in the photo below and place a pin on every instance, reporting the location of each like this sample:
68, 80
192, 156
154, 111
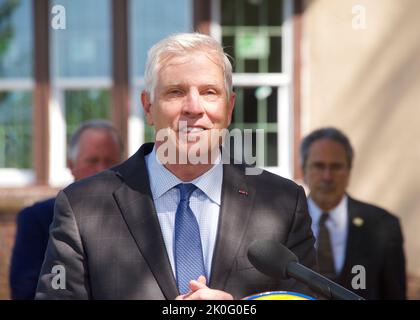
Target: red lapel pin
243, 192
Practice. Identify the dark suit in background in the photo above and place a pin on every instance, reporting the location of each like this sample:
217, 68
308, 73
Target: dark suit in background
107, 235
30, 244
374, 237
374, 241
93, 147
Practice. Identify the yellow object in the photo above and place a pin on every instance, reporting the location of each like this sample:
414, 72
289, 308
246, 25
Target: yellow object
279, 295
358, 222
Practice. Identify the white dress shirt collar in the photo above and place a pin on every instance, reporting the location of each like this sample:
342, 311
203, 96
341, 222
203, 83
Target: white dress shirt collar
206, 182
338, 215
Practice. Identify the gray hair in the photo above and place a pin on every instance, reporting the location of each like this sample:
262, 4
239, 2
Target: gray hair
178, 45
329, 133
96, 124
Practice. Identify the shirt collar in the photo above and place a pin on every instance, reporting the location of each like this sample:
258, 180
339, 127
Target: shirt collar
338, 215
162, 180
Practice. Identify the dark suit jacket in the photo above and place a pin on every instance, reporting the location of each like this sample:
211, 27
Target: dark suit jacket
31, 240
376, 244
107, 235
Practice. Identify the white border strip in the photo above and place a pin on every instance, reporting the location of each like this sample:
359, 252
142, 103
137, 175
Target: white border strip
83, 83
16, 84
260, 79
16, 177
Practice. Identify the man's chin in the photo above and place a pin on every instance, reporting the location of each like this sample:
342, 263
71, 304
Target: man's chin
198, 152
327, 201
180, 153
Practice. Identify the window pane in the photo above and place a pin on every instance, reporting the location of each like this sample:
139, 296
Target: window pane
83, 49
16, 39
251, 12
228, 14
251, 29
274, 60
15, 129
271, 149
85, 105
150, 23
256, 108
275, 12
255, 105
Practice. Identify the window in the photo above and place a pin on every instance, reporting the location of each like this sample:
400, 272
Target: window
149, 24
80, 71
15, 129
83, 105
16, 85
257, 34
81, 68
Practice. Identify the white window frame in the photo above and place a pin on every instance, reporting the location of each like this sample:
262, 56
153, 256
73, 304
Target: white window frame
136, 118
282, 81
59, 174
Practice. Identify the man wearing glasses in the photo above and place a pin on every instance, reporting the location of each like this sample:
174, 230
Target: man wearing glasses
359, 246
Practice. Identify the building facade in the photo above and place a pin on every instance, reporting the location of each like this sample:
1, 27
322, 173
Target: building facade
298, 65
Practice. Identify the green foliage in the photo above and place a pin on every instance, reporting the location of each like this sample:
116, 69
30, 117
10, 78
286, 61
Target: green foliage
15, 130
6, 30
85, 105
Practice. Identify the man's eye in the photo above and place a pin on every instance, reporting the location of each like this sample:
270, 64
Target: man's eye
175, 92
210, 92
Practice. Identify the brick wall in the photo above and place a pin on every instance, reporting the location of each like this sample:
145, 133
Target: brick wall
11, 201
7, 232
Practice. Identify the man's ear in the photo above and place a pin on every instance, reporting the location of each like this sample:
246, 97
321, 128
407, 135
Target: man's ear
147, 106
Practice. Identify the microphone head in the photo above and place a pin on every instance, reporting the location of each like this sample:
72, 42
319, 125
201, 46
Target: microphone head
271, 258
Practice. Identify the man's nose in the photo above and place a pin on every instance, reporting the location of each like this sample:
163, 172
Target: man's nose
327, 173
193, 104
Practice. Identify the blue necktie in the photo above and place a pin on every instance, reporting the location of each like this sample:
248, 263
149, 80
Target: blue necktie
189, 262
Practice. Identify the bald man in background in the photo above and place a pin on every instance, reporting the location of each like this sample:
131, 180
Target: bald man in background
94, 147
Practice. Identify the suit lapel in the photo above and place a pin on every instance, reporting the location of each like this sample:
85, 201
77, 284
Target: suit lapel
236, 206
134, 199
354, 239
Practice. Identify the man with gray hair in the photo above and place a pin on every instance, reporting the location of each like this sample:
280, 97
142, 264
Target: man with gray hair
94, 147
359, 245
162, 227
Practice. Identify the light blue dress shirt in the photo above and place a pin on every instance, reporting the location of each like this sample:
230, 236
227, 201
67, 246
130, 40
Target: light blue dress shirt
337, 225
204, 202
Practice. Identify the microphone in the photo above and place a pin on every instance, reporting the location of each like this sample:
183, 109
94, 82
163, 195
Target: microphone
275, 260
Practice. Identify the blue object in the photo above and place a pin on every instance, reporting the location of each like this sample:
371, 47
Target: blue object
32, 232
189, 260
279, 295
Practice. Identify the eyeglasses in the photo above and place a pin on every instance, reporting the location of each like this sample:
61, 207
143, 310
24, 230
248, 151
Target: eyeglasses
335, 168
